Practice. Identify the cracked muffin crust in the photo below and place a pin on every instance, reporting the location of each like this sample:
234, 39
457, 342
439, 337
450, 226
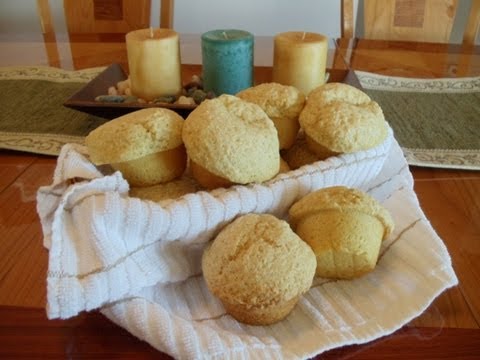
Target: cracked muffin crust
232, 140
145, 145
339, 118
258, 267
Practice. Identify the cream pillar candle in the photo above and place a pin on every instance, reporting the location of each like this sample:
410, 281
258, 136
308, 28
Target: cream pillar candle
154, 63
299, 59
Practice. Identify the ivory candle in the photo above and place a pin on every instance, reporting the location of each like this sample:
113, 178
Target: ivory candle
299, 59
227, 59
154, 62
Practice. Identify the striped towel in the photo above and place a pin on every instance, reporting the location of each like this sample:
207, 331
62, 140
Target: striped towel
139, 261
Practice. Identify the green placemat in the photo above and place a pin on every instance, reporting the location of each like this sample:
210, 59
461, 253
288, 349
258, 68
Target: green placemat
33, 117
447, 121
436, 121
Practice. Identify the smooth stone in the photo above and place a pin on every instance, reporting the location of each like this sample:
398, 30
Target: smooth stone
110, 98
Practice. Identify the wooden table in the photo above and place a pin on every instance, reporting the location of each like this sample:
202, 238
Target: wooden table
449, 328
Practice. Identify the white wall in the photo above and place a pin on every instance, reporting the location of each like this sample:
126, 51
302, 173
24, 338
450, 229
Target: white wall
261, 17
19, 16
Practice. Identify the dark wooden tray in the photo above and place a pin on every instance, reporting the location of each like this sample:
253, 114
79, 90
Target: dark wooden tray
84, 99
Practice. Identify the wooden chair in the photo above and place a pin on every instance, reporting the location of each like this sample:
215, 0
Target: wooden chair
48, 33
407, 20
473, 24
106, 16
166, 14
94, 20
410, 20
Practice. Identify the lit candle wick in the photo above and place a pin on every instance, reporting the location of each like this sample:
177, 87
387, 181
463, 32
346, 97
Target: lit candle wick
151, 32
225, 35
303, 36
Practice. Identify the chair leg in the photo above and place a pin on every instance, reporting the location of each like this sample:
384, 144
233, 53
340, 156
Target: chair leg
166, 14
346, 19
48, 33
473, 24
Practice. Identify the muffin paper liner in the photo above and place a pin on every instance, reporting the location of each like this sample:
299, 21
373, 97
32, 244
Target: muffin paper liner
140, 261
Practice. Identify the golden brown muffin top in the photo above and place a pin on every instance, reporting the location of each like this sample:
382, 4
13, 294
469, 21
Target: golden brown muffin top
343, 118
342, 199
258, 261
330, 92
233, 139
135, 135
277, 100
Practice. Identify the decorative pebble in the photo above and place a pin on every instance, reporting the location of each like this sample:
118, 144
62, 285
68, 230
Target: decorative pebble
192, 85
192, 94
131, 99
197, 79
112, 90
170, 99
199, 96
183, 100
110, 98
191, 90
123, 85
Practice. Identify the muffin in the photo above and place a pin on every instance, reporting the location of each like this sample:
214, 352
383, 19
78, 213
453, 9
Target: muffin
165, 191
283, 105
230, 141
299, 154
145, 146
258, 268
339, 118
344, 227
284, 168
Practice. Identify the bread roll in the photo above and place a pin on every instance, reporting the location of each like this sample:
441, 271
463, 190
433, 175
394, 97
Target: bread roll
344, 227
258, 267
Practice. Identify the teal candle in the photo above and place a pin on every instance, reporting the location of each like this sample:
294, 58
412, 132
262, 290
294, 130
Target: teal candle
227, 57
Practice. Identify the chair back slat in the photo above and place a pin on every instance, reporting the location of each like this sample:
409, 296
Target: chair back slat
409, 20
347, 19
473, 24
166, 14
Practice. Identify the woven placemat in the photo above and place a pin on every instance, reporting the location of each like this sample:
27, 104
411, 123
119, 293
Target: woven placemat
33, 118
436, 121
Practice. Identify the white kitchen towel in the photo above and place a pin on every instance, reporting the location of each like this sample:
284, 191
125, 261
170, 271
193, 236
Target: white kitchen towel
106, 246
140, 261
